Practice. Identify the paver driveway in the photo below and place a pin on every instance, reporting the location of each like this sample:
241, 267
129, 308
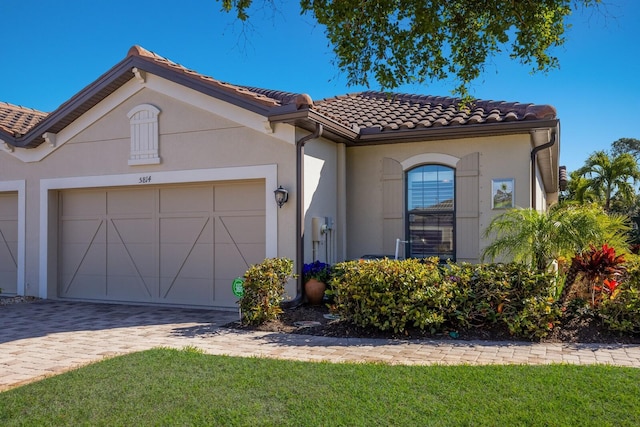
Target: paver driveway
49, 337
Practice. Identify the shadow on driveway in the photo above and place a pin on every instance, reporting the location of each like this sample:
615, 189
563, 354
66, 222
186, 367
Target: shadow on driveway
41, 318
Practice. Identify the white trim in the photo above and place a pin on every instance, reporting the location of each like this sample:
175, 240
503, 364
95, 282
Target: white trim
19, 186
6, 147
50, 138
141, 75
267, 172
420, 159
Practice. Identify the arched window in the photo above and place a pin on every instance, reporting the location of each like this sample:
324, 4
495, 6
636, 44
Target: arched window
430, 212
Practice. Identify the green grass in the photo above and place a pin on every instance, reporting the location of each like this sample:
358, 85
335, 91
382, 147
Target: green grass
186, 387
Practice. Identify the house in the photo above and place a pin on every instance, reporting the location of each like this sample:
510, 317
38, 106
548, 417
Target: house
155, 184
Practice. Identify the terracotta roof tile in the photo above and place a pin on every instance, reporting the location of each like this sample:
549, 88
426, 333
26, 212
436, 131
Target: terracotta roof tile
372, 109
241, 91
376, 111
18, 120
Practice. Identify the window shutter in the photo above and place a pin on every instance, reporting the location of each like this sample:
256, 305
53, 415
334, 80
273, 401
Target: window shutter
392, 205
144, 135
467, 208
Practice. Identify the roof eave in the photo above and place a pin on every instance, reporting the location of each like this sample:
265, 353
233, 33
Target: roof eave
307, 118
119, 74
85, 99
375, 136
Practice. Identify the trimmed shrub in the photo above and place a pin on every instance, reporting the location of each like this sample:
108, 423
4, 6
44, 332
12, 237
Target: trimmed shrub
264, 290
391, 294
395, 295
513, 294
620, 309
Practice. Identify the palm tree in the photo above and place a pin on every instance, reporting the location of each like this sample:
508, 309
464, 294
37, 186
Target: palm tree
537, 238
578, 190
607, 176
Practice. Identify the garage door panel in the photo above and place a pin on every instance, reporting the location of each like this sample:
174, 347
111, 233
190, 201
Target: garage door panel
239, 197
128, 288
9, 205
240, 229
86, 286
179, 252
130, 201
185, 230
8, 282
224, 293
131, 260
229, 262
186, 199
8, 247
140, 256
190, 291
83, 203
9, 243
82, 231
9, 230
253, 253
132, 230
187, 260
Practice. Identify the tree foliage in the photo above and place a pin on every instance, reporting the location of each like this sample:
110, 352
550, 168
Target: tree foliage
414, 41
626, 145
578, 190
609, 177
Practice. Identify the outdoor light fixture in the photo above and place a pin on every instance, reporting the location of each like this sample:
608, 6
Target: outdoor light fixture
282, 196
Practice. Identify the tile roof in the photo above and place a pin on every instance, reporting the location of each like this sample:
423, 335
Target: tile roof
17, 120
361, 112
389, 112
241, 91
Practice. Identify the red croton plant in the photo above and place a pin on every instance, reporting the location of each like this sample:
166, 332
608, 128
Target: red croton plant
600, 268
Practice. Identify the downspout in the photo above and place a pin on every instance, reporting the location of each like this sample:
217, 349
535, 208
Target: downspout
300, 213
534, 155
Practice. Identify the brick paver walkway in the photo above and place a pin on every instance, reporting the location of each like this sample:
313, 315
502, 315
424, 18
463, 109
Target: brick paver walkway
50, 337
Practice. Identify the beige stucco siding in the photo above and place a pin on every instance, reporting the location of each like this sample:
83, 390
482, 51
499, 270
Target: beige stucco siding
321, 194
500, 157
190, 139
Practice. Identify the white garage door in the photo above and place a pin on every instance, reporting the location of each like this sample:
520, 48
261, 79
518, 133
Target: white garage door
8, 243
180, 244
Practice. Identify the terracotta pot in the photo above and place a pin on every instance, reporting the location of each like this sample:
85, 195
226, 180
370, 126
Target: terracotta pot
314, 289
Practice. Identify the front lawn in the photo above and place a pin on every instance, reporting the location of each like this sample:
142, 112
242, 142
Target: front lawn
172, 387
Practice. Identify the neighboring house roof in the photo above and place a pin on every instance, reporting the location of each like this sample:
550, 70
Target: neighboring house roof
18, 120
444, 206
365, 117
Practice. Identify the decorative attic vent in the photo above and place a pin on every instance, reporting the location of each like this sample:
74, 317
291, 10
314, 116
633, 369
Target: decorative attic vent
144, 135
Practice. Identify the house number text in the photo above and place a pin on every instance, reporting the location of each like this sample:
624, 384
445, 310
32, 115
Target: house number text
144, 180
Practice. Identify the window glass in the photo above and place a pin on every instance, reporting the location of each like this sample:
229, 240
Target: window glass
430, 211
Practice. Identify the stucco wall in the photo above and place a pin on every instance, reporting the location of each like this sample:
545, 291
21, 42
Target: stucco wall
500, 157
322, 194
190, 139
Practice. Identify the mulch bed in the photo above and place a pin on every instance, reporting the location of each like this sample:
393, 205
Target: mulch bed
316, 320
312, 320
17, 300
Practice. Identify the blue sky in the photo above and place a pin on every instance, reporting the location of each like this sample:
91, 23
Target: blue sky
51, 50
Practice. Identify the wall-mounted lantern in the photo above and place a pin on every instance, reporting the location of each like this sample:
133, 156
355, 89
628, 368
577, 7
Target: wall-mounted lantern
281, 195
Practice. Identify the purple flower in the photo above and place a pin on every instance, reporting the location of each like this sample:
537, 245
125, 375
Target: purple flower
316, 270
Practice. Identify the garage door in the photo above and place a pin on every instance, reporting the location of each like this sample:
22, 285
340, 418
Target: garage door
8, 242
167, 244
